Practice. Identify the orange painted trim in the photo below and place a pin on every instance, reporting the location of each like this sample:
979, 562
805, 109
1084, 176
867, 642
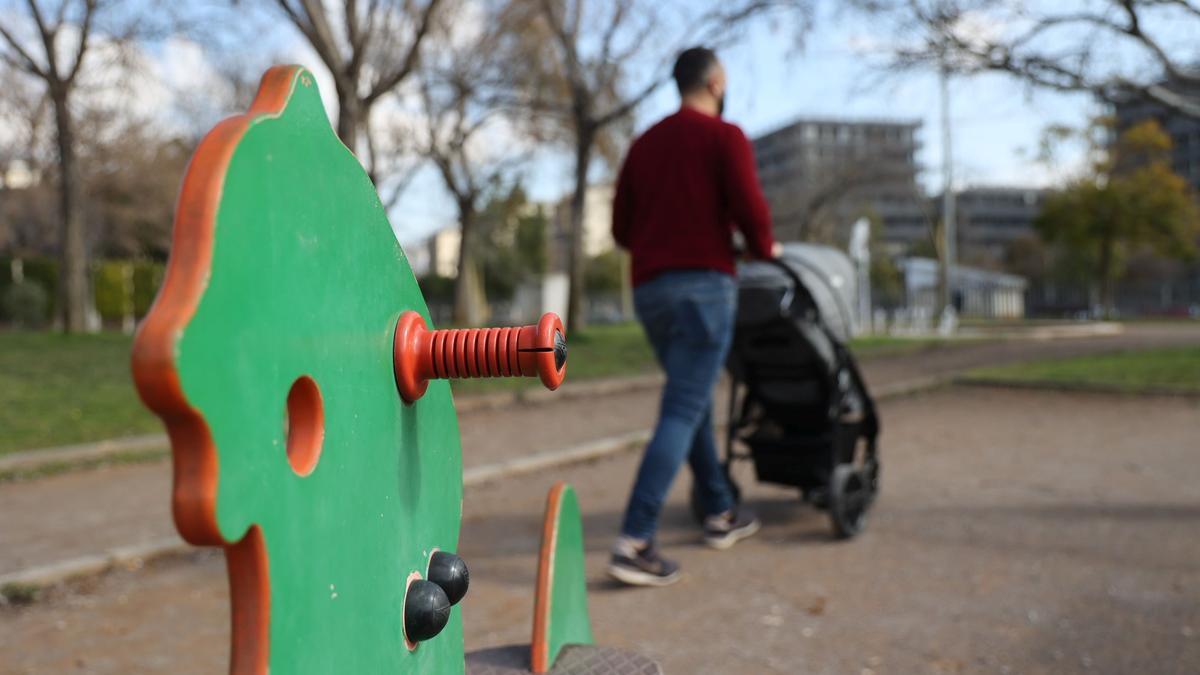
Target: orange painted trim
250, 595
540, 651
156, 374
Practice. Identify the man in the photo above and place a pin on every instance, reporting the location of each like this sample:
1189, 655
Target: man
686, 183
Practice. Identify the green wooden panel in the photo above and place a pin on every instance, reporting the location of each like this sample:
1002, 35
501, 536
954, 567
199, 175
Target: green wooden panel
569, 623
307, 279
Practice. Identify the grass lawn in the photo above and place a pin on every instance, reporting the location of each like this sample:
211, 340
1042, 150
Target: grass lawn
57, 389
876, 346
1166, 369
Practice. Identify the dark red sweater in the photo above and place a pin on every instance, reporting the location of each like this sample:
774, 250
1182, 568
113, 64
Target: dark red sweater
686, 183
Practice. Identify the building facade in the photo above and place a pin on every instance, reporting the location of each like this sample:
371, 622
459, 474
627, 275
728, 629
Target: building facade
443, 249
976, 293
989, 219
820, 174
597, 227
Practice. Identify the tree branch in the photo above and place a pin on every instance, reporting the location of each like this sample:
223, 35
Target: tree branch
48, 38
84, 33
23, 61
1061, 62
322, 44
629, 104
388, 83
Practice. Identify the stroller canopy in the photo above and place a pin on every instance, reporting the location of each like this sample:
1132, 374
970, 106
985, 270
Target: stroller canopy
826, 273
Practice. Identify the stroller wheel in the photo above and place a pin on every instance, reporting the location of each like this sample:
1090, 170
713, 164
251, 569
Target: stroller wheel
697, 509
850, 495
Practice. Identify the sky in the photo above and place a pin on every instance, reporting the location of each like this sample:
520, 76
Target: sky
997, 121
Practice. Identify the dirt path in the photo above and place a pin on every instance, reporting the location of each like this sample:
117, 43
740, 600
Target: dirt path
1018, 532
83, 513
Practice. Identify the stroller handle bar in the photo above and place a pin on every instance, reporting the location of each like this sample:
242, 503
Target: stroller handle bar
797, 285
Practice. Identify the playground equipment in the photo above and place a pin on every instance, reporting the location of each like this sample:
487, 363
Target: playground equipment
312, 429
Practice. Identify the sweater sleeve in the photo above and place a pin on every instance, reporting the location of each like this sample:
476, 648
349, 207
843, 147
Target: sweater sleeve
622, 211
743, 194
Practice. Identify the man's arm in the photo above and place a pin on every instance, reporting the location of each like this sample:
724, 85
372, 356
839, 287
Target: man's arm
744, 195
622, 212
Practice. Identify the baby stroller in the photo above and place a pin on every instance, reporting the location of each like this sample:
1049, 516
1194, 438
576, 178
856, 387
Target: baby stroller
798, 406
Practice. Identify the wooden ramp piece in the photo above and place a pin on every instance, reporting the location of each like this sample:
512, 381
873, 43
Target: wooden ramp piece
562, 632
560, 610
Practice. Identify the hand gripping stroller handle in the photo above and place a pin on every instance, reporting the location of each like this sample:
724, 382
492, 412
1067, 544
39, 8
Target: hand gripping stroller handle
788, 271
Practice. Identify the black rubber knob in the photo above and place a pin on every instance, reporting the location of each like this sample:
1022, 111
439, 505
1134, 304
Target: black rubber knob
426, 610
450, 572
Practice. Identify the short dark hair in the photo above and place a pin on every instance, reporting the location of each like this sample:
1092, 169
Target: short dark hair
692, 68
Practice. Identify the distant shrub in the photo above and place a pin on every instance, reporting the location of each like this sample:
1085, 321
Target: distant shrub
112, 289
36, 270
147, 277
437, 289
121, 282
44, 273
25, 305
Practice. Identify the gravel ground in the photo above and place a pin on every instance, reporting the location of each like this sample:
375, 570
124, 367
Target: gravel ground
1018, 532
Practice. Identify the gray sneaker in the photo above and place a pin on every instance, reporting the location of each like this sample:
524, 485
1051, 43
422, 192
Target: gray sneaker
641, 566
726, 529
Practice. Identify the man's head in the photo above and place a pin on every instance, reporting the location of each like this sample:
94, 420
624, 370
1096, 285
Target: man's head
701, 79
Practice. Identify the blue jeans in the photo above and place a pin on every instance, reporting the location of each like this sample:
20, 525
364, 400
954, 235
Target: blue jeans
688, 317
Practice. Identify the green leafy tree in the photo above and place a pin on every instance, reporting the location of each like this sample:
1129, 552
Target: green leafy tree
531, 242
512, 238
1129, 199
887, 283
604, 273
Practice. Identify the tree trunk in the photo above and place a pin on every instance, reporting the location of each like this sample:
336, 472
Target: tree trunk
469, 299
1105, 271
943, 270
577, 261
75, 299
350, 114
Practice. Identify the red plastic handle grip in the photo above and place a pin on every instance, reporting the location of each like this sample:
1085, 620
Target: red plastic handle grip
420, 354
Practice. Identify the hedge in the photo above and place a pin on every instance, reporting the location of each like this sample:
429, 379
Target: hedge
110, 283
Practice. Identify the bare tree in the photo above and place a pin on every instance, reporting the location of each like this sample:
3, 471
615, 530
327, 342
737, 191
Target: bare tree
462, 89
1066, 47
24, 111
26, 208
370, 49
131, 169
590, 65
56, 57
